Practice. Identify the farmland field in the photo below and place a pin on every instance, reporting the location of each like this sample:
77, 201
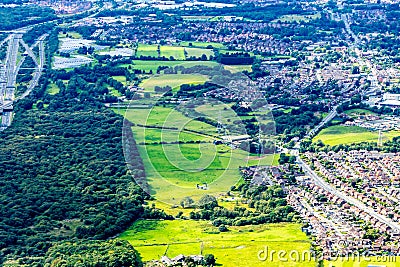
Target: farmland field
156, 135
203, 44
298, 18
177, 52
121, 79
162, 116
238, 68
198, 52
172, 51
358, 111
147, 50
173, 80
152, 65
53, 89
172, 167
238, 247
336, 135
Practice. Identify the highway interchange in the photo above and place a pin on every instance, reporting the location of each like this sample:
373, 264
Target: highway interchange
10, 70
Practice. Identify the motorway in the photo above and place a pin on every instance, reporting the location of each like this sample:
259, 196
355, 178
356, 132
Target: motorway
11, 61
10, 72
9, 78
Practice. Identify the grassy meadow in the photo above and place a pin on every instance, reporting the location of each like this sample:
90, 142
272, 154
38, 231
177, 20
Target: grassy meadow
336, 135
147, 65
358, 111
177, 52
173, 169
173, 80
298, 18
147, 50
239, 247
152, 65
52, 89
202, 44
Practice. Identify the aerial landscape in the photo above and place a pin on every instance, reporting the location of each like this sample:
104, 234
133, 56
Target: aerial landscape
191, 133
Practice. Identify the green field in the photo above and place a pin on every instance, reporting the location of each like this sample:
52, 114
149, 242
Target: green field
162, 116
178, 168
336, 135
198, 52
238, 68
53, 89
114, 92
155, 135
177, 52
203, 44
173, 80
152, 65
298, 18
237, 248
147, 50
121, 79
73, 35
356, 112
172, 51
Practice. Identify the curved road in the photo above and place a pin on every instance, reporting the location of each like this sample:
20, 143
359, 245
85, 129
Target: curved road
323, 184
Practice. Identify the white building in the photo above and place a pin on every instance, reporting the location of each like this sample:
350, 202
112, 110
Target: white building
390, 100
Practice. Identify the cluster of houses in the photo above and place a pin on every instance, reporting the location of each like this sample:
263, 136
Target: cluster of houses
264, 175
375, 122
65, 6
246, 36
371, 178
316, 60
180, 260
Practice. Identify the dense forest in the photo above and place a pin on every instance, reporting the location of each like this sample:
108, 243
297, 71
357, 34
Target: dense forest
63, 168
114, 253
64, 176
17, 17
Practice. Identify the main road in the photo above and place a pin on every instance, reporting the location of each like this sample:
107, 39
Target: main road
10, 73
329, 188
332, 114
315, 177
